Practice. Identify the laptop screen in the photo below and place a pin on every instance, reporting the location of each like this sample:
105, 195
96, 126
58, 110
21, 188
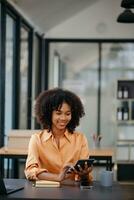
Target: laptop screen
4, 189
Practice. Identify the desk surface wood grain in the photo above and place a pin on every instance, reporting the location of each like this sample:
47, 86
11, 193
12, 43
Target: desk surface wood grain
12, 151
20, 151
101, 152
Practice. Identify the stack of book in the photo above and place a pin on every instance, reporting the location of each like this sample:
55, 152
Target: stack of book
44, 183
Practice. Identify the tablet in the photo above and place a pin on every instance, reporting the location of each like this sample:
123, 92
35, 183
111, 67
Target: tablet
82, 163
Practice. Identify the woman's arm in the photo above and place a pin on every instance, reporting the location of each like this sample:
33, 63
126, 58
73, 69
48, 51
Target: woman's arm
54, 177
32, 167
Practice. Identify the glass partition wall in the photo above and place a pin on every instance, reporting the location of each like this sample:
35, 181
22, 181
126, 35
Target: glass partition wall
36, 77
19, 86
75, 67
0, 64
9, 65
23, 89
1, 137
117, 63
91, 70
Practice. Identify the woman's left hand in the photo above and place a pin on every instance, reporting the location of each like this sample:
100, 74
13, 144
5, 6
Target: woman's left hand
83, 171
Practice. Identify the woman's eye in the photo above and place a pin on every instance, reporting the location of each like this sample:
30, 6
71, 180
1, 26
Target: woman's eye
68, 114
58, 113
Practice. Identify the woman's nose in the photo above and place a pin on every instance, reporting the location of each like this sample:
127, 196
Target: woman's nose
63, 117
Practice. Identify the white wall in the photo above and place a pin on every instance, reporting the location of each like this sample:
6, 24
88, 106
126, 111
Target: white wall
96, 21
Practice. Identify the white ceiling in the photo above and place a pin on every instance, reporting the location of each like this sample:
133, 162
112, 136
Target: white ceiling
46, 14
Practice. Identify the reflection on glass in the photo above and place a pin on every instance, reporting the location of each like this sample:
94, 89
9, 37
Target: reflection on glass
9, 72
117, 63
24, 53
0, 30
0, 59
77, 69
35, 76
78, 72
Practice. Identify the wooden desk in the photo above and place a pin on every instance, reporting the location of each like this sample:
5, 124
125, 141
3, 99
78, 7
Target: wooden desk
69, 191
103, 155
4, 151
14, 155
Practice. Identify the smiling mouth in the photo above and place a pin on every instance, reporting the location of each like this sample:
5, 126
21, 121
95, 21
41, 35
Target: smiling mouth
62, 124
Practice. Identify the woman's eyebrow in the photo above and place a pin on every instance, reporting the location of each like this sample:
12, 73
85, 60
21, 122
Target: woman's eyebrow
59, 110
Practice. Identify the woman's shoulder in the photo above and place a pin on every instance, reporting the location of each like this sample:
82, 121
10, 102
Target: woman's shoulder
79, 134
37, 134
41, 135
79, 137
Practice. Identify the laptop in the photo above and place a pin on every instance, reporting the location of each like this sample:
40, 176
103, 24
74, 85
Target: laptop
7, 189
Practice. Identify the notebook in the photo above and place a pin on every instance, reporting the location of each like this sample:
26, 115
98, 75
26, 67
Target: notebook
44, 183
7, 189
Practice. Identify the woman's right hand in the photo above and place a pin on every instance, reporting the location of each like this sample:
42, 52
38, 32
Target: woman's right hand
64, 173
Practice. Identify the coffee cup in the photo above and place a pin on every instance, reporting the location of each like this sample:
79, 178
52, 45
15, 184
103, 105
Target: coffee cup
106, 178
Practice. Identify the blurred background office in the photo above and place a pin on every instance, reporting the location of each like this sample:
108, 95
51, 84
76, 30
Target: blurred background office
74, 44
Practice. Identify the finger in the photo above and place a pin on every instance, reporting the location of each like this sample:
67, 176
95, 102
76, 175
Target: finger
90, 169
80, 168
66, 167
70, 170
86, 165
75, 171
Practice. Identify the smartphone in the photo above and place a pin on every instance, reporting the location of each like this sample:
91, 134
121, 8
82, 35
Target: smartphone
82, 163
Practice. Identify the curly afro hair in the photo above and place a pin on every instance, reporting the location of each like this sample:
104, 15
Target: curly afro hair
51, 100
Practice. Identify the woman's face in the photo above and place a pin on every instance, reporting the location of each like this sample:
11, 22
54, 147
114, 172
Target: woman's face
61, 117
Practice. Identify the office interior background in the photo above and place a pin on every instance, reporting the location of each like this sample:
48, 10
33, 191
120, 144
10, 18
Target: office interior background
73, 44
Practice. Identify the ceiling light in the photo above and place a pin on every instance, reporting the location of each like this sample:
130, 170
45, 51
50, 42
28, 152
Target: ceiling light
126, 17
127, 4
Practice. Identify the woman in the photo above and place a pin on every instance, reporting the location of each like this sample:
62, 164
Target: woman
54, 151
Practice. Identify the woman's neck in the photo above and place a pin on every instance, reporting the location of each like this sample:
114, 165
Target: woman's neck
58, 133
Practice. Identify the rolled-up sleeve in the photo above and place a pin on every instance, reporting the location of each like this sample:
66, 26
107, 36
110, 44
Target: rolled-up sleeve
32, 167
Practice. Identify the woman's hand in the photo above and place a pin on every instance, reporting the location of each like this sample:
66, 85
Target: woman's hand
68, 171
55, 177
83, 172
65, 173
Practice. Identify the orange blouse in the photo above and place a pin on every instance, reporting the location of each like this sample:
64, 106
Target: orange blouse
45, 156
